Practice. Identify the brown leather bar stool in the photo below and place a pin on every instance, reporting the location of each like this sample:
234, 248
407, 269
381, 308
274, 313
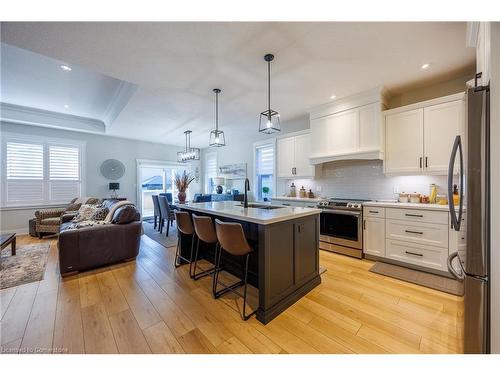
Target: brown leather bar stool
205, 232
184, 226
232, 240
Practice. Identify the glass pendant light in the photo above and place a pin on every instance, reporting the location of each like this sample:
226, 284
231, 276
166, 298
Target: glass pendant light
269, 121
190, 153
217, 138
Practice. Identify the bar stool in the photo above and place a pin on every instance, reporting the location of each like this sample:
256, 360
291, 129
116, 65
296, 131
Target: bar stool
205, 232
232, 240
184, 226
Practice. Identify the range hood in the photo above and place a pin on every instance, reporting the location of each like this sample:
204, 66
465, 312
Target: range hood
348, 129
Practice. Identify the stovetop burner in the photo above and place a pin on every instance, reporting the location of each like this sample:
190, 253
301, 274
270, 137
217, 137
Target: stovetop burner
339, 203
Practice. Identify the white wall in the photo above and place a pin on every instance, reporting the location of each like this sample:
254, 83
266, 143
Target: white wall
98, 149
495, 183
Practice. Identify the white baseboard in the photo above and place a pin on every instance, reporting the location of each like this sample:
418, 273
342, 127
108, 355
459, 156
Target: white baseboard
18, 231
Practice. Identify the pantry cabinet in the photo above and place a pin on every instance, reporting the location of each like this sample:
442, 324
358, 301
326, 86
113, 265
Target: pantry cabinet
293, 156
419, 137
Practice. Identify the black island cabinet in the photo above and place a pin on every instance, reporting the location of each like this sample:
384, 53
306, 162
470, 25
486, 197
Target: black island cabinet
284, 265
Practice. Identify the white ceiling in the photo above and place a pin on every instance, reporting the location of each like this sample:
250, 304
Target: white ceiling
176, 66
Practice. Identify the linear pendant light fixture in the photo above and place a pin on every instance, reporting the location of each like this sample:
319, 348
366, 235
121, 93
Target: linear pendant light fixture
190, 153
217, 138
269, 121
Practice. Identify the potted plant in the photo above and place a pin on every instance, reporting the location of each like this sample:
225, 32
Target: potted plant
265, 191
182, 182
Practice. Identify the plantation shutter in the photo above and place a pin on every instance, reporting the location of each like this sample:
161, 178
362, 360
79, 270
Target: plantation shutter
24, 173
64, 173
210, 171
264, 164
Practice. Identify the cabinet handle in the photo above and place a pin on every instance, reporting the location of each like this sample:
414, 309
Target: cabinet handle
286, 204
420, 162
364, 224
426, 164
417, 254
414, 215
373, 212
414, 232
294, 170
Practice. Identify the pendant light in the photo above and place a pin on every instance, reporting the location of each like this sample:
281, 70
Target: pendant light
190, 153
217, 138
269, 121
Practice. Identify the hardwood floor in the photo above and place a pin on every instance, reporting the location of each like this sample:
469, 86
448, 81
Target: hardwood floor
148, 306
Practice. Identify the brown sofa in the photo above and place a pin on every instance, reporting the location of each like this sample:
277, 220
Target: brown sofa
102, 244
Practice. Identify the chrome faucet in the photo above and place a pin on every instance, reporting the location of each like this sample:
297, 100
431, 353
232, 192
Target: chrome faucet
247, 188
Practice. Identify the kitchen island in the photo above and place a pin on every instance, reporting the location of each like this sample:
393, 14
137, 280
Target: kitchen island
285, 263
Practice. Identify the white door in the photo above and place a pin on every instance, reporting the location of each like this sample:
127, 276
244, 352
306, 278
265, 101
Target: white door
286, 156
302, 155
369, 127
404, 133
442, 123
374, 236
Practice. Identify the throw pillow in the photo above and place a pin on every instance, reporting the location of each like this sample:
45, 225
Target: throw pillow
85, 212
73, 207
100, 214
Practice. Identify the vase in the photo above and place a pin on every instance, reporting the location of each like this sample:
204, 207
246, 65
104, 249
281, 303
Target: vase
181, 196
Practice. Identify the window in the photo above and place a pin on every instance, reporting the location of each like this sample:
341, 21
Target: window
210, 170
264, 171
40, 171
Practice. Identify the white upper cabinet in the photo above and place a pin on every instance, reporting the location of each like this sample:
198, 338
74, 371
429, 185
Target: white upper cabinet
348, 128
419, 137
442, 123
404, 147
478, 36
293, 156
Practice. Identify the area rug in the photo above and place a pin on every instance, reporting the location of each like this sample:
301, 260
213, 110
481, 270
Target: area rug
161, 238
441, 283
27, 266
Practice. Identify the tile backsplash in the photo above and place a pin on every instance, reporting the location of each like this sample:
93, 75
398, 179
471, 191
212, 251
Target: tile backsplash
361, 179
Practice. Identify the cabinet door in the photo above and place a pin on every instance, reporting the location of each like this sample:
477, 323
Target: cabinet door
442, 123
404, 134
302, 154
369, 127
286, 156
319, 136
306, 253
374, 236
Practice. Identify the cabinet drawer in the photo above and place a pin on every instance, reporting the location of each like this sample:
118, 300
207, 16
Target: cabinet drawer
374, 211
426, 216
423, 233
421, 255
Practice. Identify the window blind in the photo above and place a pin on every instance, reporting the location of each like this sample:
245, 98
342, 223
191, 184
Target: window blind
210, 167
264, 163
64, 173
24, 172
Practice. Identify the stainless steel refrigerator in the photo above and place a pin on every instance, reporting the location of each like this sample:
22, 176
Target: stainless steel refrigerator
471, 261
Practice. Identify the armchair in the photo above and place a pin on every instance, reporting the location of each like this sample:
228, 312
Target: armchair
49, 220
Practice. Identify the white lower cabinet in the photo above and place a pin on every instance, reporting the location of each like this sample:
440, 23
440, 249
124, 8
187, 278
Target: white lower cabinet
374, 236
409, 236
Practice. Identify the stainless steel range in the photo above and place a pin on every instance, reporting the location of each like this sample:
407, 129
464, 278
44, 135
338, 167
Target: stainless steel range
341, 228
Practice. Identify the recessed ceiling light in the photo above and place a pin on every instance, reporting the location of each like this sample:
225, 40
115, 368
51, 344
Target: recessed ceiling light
333, 96
425, 66
66, 106
66, 68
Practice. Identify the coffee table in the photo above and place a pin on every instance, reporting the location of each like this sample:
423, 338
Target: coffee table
8, 239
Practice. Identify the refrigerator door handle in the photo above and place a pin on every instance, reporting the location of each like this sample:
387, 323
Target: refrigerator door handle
456, 275
456, 221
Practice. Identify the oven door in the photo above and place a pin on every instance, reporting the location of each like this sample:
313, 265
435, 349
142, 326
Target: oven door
341, 227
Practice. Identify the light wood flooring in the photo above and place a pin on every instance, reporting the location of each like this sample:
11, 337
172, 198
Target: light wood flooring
147, 306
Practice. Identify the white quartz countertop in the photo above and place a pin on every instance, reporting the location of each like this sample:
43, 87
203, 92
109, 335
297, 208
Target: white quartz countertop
416, 206
298, 199
234, 210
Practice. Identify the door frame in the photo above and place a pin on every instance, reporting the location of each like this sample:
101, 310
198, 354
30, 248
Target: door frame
152, 163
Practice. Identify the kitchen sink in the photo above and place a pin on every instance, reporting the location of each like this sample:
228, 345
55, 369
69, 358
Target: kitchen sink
262, 206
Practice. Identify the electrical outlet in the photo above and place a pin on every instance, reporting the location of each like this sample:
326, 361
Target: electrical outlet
396, 189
